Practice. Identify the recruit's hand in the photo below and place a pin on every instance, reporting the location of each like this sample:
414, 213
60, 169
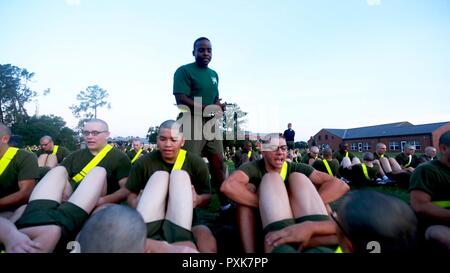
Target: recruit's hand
298, 233
18, 242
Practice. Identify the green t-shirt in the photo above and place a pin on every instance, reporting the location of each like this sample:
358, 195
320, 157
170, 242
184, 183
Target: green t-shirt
255, 170
433, 178
60, 154
116, 163
132, 153
305, 159
152, 162
195, 81
23, 166
357, 173
320, 166
403, 159
376, 156
339, 155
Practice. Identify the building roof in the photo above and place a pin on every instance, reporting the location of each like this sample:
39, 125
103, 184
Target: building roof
390, 129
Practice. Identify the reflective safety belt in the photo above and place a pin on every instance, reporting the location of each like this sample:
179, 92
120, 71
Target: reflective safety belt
338, 250
409, 161
381, 156
55, 149
346, 154
136, 156
364, 168
442, 204
249, 154
283, 171
325, 162
180, 160
80, 176
6, 159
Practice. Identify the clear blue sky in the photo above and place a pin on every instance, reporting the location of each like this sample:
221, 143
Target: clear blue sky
317, 64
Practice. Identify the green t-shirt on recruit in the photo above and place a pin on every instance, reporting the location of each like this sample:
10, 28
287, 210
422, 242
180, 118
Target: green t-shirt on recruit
433, 178
340, 155
116, 163
403, 159
255, 170
152, 162
60, 154
23, 166
357, 174
195, 81
132, 153
320, 166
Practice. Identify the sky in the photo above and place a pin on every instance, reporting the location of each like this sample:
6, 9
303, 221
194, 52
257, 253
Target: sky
314, 63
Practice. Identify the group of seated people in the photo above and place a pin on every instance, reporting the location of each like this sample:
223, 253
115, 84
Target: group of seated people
107, 201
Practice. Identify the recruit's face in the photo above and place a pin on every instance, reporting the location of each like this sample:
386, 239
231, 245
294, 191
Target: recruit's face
137, 145
47, 145
203, 53
95, 135
275, 152
410, 151
169, 143
381, 149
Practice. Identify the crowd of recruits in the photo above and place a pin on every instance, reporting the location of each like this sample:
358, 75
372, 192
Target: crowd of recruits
166, 186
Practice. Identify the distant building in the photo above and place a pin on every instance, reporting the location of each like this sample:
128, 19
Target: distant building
394, 135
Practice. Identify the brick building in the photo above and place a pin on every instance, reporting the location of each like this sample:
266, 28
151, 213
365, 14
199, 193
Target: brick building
394, 135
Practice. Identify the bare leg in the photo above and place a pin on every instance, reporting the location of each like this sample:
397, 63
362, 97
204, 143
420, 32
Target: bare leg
88, 192
355, 161
303, 196
52, 161
51, 186
386, 165
273, 200
206, 242
377, 162
180, 205
396, 168
152, 204
440, 234
42, 159
247, 226
346, 163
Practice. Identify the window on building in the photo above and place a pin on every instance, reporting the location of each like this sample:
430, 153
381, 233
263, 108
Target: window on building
332, 137
353, 147
393, 145
366, 146
320, 137
415, 143
326, 137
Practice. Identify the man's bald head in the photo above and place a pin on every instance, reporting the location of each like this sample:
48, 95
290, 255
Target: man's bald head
116, 229
445, 139
103, 123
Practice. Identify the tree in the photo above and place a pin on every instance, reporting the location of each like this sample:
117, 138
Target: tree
152, 134
300, 145
14, 94
34, 128
233, 120
90, 99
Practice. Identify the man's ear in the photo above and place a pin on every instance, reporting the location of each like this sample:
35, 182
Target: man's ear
182, 141
193, 53
107, 134
5, 139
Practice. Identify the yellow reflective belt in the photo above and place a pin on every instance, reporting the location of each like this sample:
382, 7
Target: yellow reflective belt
442, 204
55, 149
381, 156
283, 171
338, 250
80, 176
136, 156
364, 168
409, 162
325, 162
180, 160
249, 154
6, 159
346, 154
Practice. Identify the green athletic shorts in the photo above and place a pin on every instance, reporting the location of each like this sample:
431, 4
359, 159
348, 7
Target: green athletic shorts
293, 248
165, 230
41, 212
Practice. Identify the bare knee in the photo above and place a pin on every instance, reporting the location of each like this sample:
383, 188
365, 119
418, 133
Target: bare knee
206, 242
180, 175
